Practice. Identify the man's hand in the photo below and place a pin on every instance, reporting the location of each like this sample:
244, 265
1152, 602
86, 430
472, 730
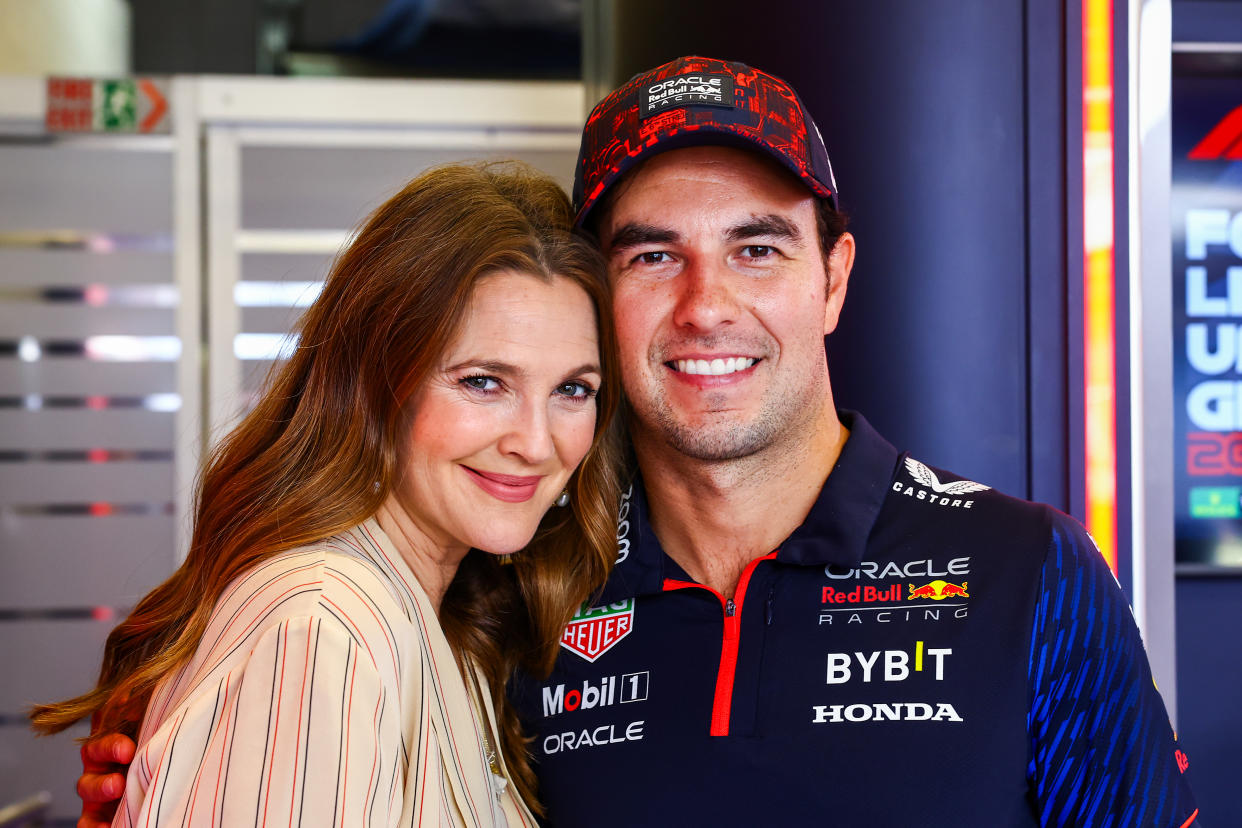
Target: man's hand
105, 759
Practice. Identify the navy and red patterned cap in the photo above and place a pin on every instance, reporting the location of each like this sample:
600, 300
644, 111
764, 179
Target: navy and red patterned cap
694, 101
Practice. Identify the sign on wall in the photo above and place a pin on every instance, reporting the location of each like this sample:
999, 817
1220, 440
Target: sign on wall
1206, 210
125, 105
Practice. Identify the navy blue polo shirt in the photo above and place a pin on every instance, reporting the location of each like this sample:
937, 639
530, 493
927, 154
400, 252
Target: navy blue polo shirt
922, 651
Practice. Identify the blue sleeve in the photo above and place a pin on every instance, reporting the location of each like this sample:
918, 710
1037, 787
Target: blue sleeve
1102, 750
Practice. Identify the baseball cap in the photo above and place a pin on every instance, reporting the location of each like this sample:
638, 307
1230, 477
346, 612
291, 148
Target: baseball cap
693, 101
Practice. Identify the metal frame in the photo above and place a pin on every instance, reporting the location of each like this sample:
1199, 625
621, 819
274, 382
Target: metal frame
187, 267
1151, 336
1206, 48
221, 270
599, 49
328, 102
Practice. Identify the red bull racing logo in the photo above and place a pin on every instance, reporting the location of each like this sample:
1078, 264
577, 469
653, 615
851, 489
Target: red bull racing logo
938, 590
699, 89
594, 631
917, 592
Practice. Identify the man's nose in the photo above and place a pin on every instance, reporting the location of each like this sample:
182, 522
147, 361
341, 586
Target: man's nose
705, 297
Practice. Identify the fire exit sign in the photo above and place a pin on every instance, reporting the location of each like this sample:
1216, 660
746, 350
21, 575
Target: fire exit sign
126, 105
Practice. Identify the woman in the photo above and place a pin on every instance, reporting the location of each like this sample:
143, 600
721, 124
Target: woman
335, 647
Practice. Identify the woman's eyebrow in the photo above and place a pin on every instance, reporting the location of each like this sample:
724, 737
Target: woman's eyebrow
507, 369
491, 366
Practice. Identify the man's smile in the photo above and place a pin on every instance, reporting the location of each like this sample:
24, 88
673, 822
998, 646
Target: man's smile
715, 366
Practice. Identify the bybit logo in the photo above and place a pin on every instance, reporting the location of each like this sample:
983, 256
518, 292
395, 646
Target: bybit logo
885, 665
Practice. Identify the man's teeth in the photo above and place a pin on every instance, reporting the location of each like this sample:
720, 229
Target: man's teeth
714, 367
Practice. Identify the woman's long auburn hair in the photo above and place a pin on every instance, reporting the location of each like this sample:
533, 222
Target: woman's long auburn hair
304, 464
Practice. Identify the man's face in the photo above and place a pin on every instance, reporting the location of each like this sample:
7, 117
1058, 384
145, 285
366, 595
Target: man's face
722, 301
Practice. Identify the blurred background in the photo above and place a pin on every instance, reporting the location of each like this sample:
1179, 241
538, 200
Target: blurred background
1047, 199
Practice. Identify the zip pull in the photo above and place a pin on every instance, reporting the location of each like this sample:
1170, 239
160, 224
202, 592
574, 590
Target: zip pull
771, 595
730, 608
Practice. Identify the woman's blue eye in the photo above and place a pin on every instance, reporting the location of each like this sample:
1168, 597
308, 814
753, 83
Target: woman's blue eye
482, 383
577, 390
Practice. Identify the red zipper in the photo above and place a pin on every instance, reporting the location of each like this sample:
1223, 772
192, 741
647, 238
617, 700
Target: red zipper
722, 703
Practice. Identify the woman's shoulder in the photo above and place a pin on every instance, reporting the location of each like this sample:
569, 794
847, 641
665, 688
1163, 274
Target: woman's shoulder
358, 564
337, 566
340, 581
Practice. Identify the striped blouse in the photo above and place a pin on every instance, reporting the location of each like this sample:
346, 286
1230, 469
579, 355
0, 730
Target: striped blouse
323, 693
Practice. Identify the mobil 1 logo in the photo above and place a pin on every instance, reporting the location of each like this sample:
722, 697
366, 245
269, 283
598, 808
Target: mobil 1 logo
604, 692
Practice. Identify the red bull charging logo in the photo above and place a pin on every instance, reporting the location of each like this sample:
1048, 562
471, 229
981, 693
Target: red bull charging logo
938, 590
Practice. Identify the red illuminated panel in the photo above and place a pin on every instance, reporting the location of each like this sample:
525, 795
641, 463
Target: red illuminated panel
1099, 298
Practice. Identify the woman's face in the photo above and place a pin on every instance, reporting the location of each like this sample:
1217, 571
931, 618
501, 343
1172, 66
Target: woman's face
500, 425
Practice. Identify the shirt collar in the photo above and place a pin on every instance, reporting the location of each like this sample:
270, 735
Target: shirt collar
835, 531
837, 528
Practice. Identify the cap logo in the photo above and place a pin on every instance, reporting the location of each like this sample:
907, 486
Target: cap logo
694, 89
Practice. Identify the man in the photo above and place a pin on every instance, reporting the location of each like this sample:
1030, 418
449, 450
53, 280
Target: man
805, 626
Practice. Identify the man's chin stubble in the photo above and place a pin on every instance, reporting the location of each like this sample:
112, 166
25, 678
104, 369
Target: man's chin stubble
717, 443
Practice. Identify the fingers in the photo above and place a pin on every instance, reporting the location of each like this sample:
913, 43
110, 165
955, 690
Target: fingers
109, 749
104, 761
96, 788
101, 785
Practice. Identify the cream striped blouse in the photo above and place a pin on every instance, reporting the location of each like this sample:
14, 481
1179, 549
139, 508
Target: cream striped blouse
323, 693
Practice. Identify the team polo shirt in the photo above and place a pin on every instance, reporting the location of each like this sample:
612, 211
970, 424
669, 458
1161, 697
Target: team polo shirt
922, 651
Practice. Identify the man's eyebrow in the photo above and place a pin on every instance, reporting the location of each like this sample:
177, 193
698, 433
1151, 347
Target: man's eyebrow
771, 225
635, 234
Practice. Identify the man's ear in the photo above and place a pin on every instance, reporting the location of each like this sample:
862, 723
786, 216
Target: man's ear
838, 263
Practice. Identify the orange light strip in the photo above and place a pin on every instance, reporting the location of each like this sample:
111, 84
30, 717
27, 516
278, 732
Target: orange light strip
1099, 300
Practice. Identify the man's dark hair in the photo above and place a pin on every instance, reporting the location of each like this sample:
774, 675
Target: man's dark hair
830, 224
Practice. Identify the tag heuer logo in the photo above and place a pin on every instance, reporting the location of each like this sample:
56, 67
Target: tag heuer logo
694, 89
594, 631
